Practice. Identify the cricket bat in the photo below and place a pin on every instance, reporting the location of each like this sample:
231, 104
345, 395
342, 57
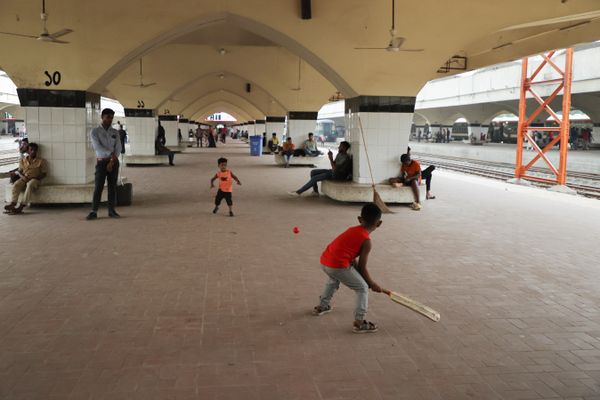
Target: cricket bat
413, 305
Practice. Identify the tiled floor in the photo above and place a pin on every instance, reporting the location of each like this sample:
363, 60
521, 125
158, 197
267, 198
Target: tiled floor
172, 302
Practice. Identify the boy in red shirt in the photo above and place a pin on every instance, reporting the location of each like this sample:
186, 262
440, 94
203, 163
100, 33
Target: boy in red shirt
338, 261
226, 178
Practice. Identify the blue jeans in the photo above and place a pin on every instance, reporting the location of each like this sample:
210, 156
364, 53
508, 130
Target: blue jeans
351, 278
316, 175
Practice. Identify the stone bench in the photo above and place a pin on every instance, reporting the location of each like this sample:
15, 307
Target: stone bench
300, 161
59, 194
130, 159
353, 192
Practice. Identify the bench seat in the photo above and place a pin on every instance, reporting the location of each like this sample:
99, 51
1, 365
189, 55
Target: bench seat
146, 159
59, 194
353, 192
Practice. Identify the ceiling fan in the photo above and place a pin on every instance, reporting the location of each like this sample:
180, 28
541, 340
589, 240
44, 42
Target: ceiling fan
141, 85
44, 36
396, 42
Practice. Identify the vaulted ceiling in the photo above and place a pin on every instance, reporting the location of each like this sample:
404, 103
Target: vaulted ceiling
202, 53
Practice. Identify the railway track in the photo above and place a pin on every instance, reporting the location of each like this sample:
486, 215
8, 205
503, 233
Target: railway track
585, 184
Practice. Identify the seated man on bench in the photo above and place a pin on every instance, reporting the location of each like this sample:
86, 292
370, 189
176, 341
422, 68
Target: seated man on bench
310, 146
32, 169
273, 144
411, 175
341, 170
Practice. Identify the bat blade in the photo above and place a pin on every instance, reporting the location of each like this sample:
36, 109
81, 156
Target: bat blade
415, 306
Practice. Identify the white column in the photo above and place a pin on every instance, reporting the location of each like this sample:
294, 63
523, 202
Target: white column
275, 125
259, 127
386, 123
62, 133
299, 124
251, 128
169, 122
141, 132
595, 134
477, 133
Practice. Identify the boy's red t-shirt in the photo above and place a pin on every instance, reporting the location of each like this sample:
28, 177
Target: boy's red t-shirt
344, 248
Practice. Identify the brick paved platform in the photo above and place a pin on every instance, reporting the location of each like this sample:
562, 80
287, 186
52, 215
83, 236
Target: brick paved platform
173, 302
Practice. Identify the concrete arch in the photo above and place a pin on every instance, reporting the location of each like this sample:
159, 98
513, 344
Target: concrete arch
452, 118
227, 107
189, 84
248, 24
420, 119
488, 120
249, 104
219, 96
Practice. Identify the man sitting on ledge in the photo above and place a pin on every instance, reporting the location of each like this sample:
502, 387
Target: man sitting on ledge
32, 169
341, 170
309, 147
411, 175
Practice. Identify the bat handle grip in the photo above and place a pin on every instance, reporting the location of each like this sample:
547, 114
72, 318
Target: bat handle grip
385, 291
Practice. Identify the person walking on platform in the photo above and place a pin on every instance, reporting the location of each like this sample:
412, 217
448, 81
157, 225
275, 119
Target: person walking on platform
107, 145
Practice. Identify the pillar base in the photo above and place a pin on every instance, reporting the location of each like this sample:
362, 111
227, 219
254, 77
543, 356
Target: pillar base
59, 194
363, 193
519, 181
562, 189
146, 160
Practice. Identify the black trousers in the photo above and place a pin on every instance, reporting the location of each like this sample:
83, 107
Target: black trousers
223, 195
101, 176
426, 174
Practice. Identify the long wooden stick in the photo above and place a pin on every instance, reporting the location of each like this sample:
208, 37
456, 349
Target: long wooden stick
413, 305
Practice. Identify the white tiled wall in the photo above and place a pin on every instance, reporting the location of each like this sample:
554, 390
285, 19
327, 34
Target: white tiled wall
141, 133
185, 127
277, 127
259, 129
386, 135
298, 129
63, 137
170, 132
251, 129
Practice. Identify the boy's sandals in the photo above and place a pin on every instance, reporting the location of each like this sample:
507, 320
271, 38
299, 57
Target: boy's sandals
319, 310
430, 197
415, 206
365, 327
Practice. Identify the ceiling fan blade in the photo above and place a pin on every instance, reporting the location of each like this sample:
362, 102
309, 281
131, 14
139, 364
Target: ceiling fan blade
370, 48
60, 33
145, 85
19, 35
412, 50
59, 41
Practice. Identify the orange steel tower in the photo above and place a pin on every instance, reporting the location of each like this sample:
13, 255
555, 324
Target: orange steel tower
528, 84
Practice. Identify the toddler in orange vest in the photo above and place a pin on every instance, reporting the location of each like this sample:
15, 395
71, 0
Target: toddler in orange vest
226, 178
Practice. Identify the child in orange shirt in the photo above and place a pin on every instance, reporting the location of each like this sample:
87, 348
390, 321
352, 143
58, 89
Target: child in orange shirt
338, 261
226, 178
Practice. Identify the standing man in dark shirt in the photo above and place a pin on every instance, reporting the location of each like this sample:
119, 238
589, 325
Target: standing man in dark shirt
160, 142
341, 170
107, 144
122, 136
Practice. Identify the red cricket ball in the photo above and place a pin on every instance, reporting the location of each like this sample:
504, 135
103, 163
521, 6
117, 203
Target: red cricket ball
296, 230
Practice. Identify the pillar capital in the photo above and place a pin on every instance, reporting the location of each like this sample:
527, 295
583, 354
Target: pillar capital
386, 104
303, 115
